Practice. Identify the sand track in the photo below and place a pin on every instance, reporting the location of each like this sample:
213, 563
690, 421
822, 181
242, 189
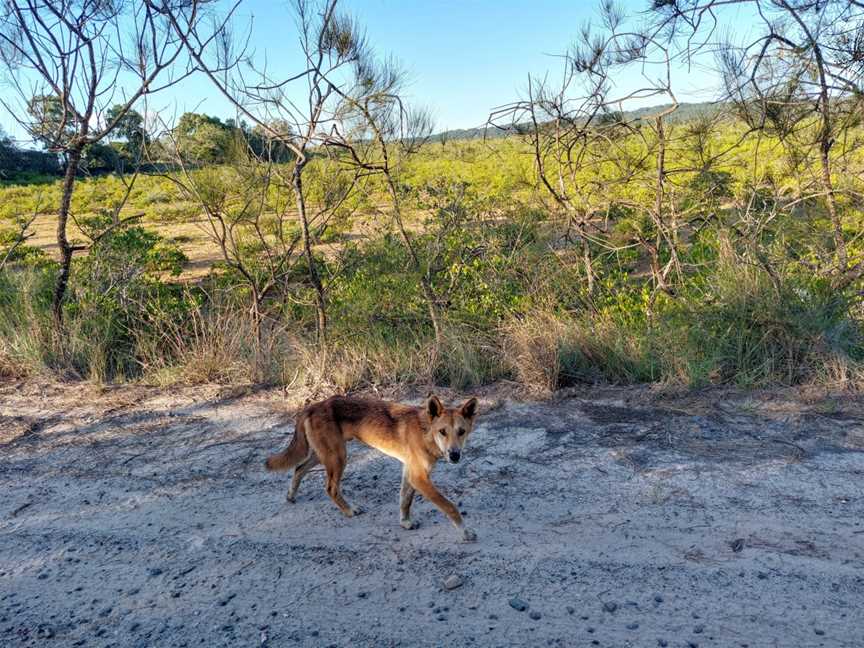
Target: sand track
139, 517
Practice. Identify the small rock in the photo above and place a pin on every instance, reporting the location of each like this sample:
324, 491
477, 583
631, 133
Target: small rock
819, 631
571, 609
534, 614
154, 572
453, 581
610, 606
658, 598
662, 643
737, 544
518, 604
699, 629
632, 626
45, 632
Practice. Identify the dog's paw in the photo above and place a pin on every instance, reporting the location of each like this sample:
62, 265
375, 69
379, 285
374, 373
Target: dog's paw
468, 535
290, 498
409, 525
354, 511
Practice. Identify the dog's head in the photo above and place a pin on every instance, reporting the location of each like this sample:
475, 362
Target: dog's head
450, 426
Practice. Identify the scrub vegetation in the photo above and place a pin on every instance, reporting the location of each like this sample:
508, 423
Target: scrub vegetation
340, 244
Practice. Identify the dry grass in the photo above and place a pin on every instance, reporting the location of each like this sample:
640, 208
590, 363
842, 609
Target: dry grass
547, 350
533, 346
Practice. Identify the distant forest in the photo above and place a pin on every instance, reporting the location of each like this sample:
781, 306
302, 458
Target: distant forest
210, 140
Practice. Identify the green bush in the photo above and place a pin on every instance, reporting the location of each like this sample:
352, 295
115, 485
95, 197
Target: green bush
747, 330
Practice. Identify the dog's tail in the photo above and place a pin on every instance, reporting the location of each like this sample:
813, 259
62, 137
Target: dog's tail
297, 450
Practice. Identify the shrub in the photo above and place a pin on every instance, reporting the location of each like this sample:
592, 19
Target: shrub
750, 331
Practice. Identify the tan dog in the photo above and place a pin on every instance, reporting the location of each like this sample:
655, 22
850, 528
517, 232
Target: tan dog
416, 436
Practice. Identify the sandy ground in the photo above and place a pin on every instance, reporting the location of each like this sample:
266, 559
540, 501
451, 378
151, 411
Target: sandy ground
191, 236
139, 517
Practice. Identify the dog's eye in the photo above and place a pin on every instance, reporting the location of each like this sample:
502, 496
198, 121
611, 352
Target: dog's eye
443, 432
461, 431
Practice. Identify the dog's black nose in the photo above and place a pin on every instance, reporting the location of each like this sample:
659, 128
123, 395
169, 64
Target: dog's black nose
455, 455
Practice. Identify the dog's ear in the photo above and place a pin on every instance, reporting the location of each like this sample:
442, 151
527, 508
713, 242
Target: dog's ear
433, 406
469, 408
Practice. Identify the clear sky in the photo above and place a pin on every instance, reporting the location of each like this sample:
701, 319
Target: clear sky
464, 57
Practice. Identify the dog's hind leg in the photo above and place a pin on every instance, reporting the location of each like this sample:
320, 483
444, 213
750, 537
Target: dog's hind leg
334, 465
406, 498
300, 472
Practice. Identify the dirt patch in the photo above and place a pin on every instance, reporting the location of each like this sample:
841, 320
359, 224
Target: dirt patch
616, 517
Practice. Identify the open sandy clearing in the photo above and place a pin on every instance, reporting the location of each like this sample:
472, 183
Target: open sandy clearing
139, 517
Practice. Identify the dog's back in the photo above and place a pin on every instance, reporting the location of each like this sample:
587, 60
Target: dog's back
380, 424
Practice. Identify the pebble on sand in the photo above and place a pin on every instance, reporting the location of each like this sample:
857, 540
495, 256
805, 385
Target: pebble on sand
518, 604
453, 581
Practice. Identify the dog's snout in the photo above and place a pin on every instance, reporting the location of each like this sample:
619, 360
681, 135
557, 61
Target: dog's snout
455, 455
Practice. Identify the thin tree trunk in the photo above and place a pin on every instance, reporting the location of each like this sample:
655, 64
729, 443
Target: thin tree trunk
257, 322
426, 287
589, 266
831, 202
314, 279
659, 279
826, 141
66, 250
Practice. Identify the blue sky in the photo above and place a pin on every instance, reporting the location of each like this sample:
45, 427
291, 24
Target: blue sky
463, 57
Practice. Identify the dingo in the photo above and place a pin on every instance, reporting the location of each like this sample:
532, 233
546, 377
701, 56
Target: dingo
416, 436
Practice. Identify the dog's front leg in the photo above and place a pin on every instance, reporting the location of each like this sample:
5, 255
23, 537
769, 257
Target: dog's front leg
406, 498
427, 489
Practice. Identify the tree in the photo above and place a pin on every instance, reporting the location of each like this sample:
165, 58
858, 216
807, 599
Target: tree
799, 78
333, 50
15, 160
380, 133
49, 124
131, 127
201, 139
8, 155
583, 147
69, 61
